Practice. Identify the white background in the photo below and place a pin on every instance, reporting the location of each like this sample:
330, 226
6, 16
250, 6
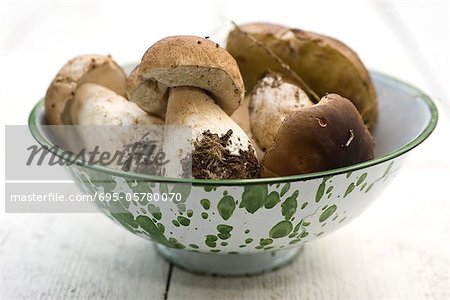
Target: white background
399, 249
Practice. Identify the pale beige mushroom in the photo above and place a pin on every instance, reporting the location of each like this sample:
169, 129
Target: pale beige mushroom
194, 82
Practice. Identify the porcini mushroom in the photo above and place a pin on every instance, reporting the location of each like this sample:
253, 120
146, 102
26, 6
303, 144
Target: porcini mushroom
327, 135
271, 101
199, 84
187, 61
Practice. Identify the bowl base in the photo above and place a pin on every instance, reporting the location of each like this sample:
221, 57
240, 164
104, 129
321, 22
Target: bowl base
228, 264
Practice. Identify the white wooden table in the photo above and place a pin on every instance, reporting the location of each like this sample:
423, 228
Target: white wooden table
398, 249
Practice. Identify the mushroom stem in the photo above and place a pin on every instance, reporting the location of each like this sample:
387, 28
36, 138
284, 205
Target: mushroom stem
94, 104
218, 142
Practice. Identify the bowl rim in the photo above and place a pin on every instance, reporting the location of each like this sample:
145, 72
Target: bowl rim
422, 136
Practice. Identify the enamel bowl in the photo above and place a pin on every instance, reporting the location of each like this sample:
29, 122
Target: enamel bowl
236, 227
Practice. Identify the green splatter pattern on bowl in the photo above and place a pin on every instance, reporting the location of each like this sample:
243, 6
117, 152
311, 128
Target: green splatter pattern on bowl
239, 219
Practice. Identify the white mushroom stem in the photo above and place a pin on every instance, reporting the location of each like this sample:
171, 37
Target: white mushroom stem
188, 106
271, 101
94, 104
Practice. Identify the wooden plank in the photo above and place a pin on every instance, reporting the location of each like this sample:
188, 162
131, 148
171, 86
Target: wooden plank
76, 256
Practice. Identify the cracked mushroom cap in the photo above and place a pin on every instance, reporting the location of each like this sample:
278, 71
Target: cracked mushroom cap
185, 61
328, 135
98, 69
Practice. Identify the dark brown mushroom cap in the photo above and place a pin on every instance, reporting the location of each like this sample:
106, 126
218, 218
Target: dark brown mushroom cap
328, 135
187, 61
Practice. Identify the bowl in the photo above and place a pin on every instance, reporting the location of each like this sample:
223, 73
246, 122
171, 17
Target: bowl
234, 227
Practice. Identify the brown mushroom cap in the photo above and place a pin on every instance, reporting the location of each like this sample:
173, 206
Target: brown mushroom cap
325, 64
328, 135
186, 61
99, 69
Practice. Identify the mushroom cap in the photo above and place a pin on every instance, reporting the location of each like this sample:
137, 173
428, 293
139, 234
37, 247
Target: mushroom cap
187, 61
92, 68
328, 135
325, 64
271, 101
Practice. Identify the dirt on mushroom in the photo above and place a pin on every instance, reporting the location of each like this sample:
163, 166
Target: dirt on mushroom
211, 159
